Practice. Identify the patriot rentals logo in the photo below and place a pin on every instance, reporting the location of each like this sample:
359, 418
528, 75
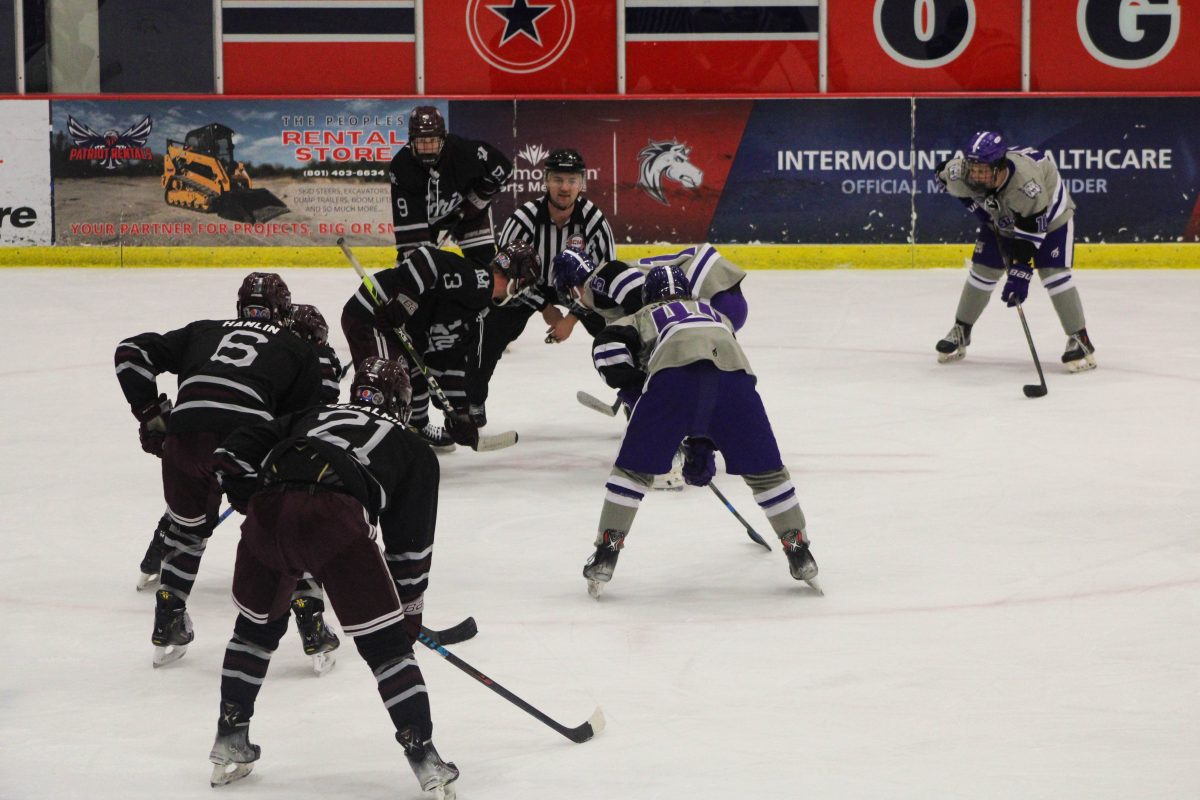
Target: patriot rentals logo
520, 36
110, 148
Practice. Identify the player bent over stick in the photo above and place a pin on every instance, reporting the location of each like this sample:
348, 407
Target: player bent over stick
307, 483
1024, 207
699, 390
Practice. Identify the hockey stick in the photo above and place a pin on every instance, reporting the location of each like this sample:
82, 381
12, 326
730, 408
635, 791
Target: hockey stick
753, 534
578, 734
454, 634
596, 404
1030, 390
496, 442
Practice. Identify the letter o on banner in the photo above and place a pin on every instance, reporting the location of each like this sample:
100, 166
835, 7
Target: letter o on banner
924, 33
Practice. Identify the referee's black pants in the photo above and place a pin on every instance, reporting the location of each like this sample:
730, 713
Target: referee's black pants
500, 326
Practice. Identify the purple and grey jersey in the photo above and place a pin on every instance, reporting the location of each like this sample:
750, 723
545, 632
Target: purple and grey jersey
671, 334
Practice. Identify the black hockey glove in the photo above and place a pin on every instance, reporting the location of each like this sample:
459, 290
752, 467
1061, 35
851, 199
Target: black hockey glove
699, 462
152, 430
1016, 288
462, 430
395, 312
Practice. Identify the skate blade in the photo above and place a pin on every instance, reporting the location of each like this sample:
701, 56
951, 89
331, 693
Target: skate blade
168, 654
946, 358
1082, 365
224, 774
444, 792
816, 587
324, 662
147, 581
595, 588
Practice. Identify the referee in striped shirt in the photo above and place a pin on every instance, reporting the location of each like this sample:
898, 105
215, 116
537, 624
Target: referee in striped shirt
560, 217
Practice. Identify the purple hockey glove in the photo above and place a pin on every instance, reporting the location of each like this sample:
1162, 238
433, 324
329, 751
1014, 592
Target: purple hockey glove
699, 462
1016, 288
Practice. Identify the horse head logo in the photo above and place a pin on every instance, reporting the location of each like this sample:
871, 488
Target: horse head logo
667, 160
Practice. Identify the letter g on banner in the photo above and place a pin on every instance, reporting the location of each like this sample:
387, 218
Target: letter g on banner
1129, 34
924, 33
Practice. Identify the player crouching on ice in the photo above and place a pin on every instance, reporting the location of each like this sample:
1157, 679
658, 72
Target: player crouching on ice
1025, 208
696, 387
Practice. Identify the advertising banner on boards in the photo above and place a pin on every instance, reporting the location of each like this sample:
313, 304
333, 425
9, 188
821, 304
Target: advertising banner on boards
25, 213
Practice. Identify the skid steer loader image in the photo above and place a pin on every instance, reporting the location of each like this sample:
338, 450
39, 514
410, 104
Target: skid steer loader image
201, 173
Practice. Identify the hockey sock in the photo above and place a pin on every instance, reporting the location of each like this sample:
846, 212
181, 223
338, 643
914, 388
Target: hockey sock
247, 657
401, 684
776, 496
976, 292
625, 490
1065, 298
182, 559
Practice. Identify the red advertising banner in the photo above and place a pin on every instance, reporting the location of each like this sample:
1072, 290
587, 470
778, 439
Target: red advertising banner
1114, 45
656, 168
925, 45
521, 47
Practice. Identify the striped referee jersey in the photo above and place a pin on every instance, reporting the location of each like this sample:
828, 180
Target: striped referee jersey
531, 221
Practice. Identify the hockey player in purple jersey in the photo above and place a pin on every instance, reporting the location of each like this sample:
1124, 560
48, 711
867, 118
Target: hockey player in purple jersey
614, 289
445, 184
231, 372
309, 324
1027, 221
313, 485
694, 386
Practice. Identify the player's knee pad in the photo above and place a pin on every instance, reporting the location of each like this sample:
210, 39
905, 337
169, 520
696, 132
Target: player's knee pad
983, 277
383, 646
264, 635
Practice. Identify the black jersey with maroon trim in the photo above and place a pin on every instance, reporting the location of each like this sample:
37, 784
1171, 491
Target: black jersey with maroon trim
427, 201
231, 373
361, 450
431, 283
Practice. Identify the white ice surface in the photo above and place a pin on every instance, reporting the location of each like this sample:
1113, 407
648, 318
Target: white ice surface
1012, 602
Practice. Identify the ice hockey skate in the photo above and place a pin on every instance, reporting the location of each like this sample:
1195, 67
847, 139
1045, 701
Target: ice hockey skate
800, 561
232, 754
437, 438
1078, 355
434, 775
671, 481
954, 346
600, 565
319, 639
172, 628
152, 561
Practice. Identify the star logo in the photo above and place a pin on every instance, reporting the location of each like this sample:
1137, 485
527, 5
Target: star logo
520, 36
520, 18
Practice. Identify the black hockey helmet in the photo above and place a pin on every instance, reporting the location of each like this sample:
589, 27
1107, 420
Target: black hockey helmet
565, 160
665, 282
264, 296
383, 384
519, 263
309, 324
426, 134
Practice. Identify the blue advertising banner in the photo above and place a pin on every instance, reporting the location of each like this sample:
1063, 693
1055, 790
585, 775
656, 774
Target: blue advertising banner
861, 171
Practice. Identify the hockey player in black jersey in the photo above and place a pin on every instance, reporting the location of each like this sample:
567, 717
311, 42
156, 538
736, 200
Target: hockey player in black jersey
309, 324
562, 216
438, 297
307, 483
231, 372
445, 184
